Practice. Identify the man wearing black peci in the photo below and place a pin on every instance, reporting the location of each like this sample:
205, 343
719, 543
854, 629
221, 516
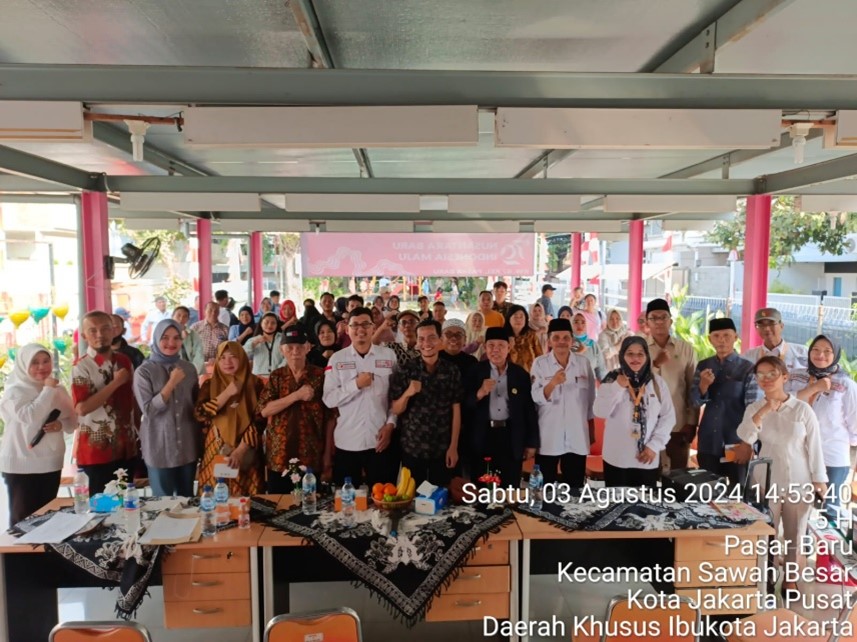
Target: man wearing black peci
505, 424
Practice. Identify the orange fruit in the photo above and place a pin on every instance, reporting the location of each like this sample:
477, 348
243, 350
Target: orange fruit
378, 496
389, 489
378, 488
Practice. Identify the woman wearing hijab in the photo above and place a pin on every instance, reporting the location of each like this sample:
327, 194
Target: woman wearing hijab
310, 317
263, 349
611, 338
525, 343
327, 344
639, 414
226, 407
32, 475
565, 312
474, 326
288, 315
791, 438
166, 389
539, 324
265, 306
245, 327
585, 346
832, 394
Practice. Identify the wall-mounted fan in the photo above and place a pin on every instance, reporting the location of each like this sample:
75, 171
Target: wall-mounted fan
140, 259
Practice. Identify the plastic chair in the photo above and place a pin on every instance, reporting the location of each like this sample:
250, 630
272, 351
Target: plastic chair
594, 461
336, 625
107, 631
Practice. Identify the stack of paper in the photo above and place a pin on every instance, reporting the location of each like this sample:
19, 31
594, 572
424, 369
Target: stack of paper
169, 528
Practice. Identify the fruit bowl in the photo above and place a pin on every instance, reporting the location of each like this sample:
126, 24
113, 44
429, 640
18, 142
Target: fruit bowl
400, 504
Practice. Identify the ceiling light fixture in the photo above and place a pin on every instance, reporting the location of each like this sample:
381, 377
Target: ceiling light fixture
798, 132
138, 129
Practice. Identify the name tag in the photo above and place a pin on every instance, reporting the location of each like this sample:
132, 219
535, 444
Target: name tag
383, 363
347, 365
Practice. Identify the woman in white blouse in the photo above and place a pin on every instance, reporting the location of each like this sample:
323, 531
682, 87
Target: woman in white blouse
639, 415
832, 394
790, 436
32, 475
263, 348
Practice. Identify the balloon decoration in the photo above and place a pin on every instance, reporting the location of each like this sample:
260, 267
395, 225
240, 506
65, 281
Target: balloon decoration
18, 317
60, 310
12, 353
39, 313
2, 360
60, 344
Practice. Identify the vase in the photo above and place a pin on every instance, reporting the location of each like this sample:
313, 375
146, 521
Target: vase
296, 496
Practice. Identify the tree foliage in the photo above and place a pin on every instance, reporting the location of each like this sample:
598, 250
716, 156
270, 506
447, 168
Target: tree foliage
790, 230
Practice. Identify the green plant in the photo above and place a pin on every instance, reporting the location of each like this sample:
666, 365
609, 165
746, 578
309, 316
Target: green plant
778, 287
694, 328
849, 366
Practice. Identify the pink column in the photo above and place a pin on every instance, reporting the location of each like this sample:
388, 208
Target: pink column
203, 235
93, 238
576, 250
757, 243
635, 272
256, 268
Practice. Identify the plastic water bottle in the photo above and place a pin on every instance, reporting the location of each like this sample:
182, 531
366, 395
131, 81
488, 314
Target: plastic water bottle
131, 506
244, 513
206, 507
309, 500
348, 499
221, 500
80, 490
537, 480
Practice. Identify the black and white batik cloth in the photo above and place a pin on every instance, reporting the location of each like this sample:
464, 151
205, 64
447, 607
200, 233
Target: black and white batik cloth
407, 567
585, 515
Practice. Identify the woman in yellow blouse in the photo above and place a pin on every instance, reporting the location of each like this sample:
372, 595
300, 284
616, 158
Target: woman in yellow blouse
525, 342
226, 407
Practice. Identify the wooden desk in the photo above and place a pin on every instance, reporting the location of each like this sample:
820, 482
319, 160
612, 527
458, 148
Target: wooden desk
691, 547
489, 584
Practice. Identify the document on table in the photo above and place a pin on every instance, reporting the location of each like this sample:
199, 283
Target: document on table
164, 503
169, 529
58, 528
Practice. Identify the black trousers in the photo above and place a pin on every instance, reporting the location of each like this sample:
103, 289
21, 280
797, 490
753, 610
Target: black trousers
367, 466
614, 476
573, 468
434, 470
504, 462
29, 492
737, 473
100, 474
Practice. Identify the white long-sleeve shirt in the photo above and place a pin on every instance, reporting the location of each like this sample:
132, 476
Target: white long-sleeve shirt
564, 418
792, 439
613, 402
836, 411
23, 415
794, 355
266, 357
362, 412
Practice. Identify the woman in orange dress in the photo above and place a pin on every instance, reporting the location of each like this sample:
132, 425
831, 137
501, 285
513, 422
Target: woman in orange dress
226, 407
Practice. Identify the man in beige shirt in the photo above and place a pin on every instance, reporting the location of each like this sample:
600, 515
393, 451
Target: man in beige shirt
675, 361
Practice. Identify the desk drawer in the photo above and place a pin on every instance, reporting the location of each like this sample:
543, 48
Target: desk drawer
732, 573
747, 603
468, 606
207, 560
207, 614
707, 548
491, 553
206, 586
481, 579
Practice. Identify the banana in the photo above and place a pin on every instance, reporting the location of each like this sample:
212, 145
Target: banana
404, 478
412, 489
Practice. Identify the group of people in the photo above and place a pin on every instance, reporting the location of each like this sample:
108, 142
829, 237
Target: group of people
359, 391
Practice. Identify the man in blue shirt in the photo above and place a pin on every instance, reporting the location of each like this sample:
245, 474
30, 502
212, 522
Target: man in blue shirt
725, 385
546, 301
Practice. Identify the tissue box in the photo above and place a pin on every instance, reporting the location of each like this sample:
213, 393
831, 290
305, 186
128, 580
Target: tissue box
430, 499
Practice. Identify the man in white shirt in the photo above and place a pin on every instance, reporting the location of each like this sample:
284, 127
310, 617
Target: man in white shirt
564, 391
223, 315
769, 325
357, 382
153, 318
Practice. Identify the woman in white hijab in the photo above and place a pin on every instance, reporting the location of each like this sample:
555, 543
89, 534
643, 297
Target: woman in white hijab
32, 396
611, 338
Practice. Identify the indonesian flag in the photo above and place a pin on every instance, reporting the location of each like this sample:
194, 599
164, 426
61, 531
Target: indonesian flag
668, 244
593, 245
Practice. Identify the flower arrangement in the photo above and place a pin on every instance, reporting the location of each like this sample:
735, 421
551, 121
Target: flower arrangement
116, 487
490, 478
295, 472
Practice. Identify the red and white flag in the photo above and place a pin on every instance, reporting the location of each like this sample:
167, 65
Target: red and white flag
668, 244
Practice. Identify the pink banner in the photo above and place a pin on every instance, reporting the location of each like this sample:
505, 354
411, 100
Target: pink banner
417, 254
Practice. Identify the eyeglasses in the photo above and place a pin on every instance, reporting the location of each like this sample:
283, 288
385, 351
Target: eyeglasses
821, 352
407, 323
766, 324
362, 326
658, 318
768, 376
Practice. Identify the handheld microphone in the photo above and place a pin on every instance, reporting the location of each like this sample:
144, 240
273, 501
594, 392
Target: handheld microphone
55, 413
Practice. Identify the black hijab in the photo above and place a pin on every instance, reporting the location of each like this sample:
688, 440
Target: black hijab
637, 379
243, 326
833, 368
